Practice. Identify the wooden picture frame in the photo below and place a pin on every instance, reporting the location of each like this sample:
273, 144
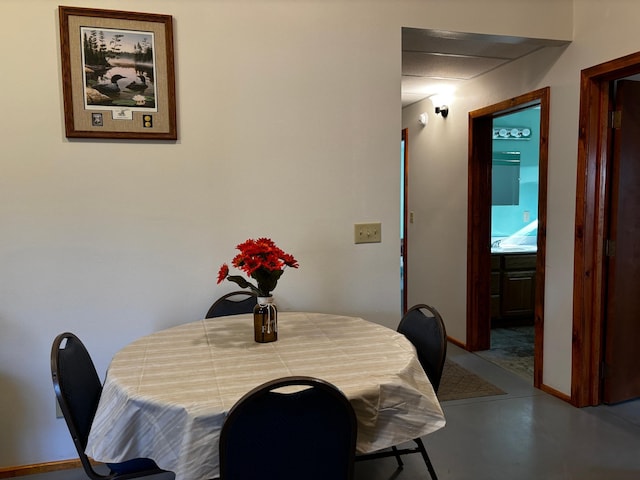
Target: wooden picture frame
118, 77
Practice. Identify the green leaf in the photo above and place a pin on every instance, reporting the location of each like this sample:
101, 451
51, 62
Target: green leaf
243, 283
267, 280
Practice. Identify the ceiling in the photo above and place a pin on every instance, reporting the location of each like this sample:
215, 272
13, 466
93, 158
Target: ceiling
437, 60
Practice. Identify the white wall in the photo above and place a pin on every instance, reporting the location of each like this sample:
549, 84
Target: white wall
289, 115
438, 187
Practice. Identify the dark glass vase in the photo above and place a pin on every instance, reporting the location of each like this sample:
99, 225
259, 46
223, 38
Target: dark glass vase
265, 320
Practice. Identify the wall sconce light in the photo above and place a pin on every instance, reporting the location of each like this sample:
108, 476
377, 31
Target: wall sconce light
442, 110
423, 119
441, 103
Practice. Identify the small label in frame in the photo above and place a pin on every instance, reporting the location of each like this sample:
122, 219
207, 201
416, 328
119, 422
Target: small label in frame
96, 120
122, 114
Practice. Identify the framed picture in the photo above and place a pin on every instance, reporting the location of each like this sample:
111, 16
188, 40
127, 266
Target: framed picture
118, 75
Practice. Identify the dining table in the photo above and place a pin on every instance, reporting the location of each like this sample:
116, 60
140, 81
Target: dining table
166, 395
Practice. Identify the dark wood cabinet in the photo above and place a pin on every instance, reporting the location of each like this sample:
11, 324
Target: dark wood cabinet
512, 288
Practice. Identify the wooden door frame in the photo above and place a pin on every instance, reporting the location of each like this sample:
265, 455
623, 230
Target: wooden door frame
593, 177
405, 244
479, 230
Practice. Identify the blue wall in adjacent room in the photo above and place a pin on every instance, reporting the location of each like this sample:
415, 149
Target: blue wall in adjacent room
507, 219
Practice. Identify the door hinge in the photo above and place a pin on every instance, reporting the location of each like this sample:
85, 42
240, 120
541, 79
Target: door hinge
609, 248
616, 119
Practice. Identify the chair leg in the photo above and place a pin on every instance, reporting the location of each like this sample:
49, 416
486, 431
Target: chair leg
400, 462
426, 458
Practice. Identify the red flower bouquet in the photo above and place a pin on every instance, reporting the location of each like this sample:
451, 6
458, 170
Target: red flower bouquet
261, 260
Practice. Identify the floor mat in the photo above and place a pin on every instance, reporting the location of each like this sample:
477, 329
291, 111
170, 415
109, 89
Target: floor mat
457, 382
512, 349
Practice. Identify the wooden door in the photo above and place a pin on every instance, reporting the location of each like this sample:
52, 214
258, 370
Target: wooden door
518, 294
621, 375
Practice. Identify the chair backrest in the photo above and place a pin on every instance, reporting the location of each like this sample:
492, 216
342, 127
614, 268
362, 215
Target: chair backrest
77, 387
423, 326
307, 432
233, 303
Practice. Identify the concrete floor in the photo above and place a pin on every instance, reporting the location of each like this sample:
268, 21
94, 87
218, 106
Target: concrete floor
525, 434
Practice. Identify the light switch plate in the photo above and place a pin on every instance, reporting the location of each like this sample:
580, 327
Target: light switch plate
368, 232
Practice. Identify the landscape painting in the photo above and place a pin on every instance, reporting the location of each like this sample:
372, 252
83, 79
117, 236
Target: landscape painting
119, 68
118, 78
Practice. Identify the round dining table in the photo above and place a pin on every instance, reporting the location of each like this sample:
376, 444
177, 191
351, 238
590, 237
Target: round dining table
166, 395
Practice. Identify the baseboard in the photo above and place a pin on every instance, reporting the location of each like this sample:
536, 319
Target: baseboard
556, 393
11, 472
457, 343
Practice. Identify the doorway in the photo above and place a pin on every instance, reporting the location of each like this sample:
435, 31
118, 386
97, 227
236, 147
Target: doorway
479, 258
514, 231
404, 216
596, 328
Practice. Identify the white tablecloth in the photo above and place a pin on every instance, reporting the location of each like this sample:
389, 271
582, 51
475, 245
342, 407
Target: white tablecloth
166, 395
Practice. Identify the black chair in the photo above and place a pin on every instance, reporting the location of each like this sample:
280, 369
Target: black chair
305, 433
424, 328
233, 303
78, 389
